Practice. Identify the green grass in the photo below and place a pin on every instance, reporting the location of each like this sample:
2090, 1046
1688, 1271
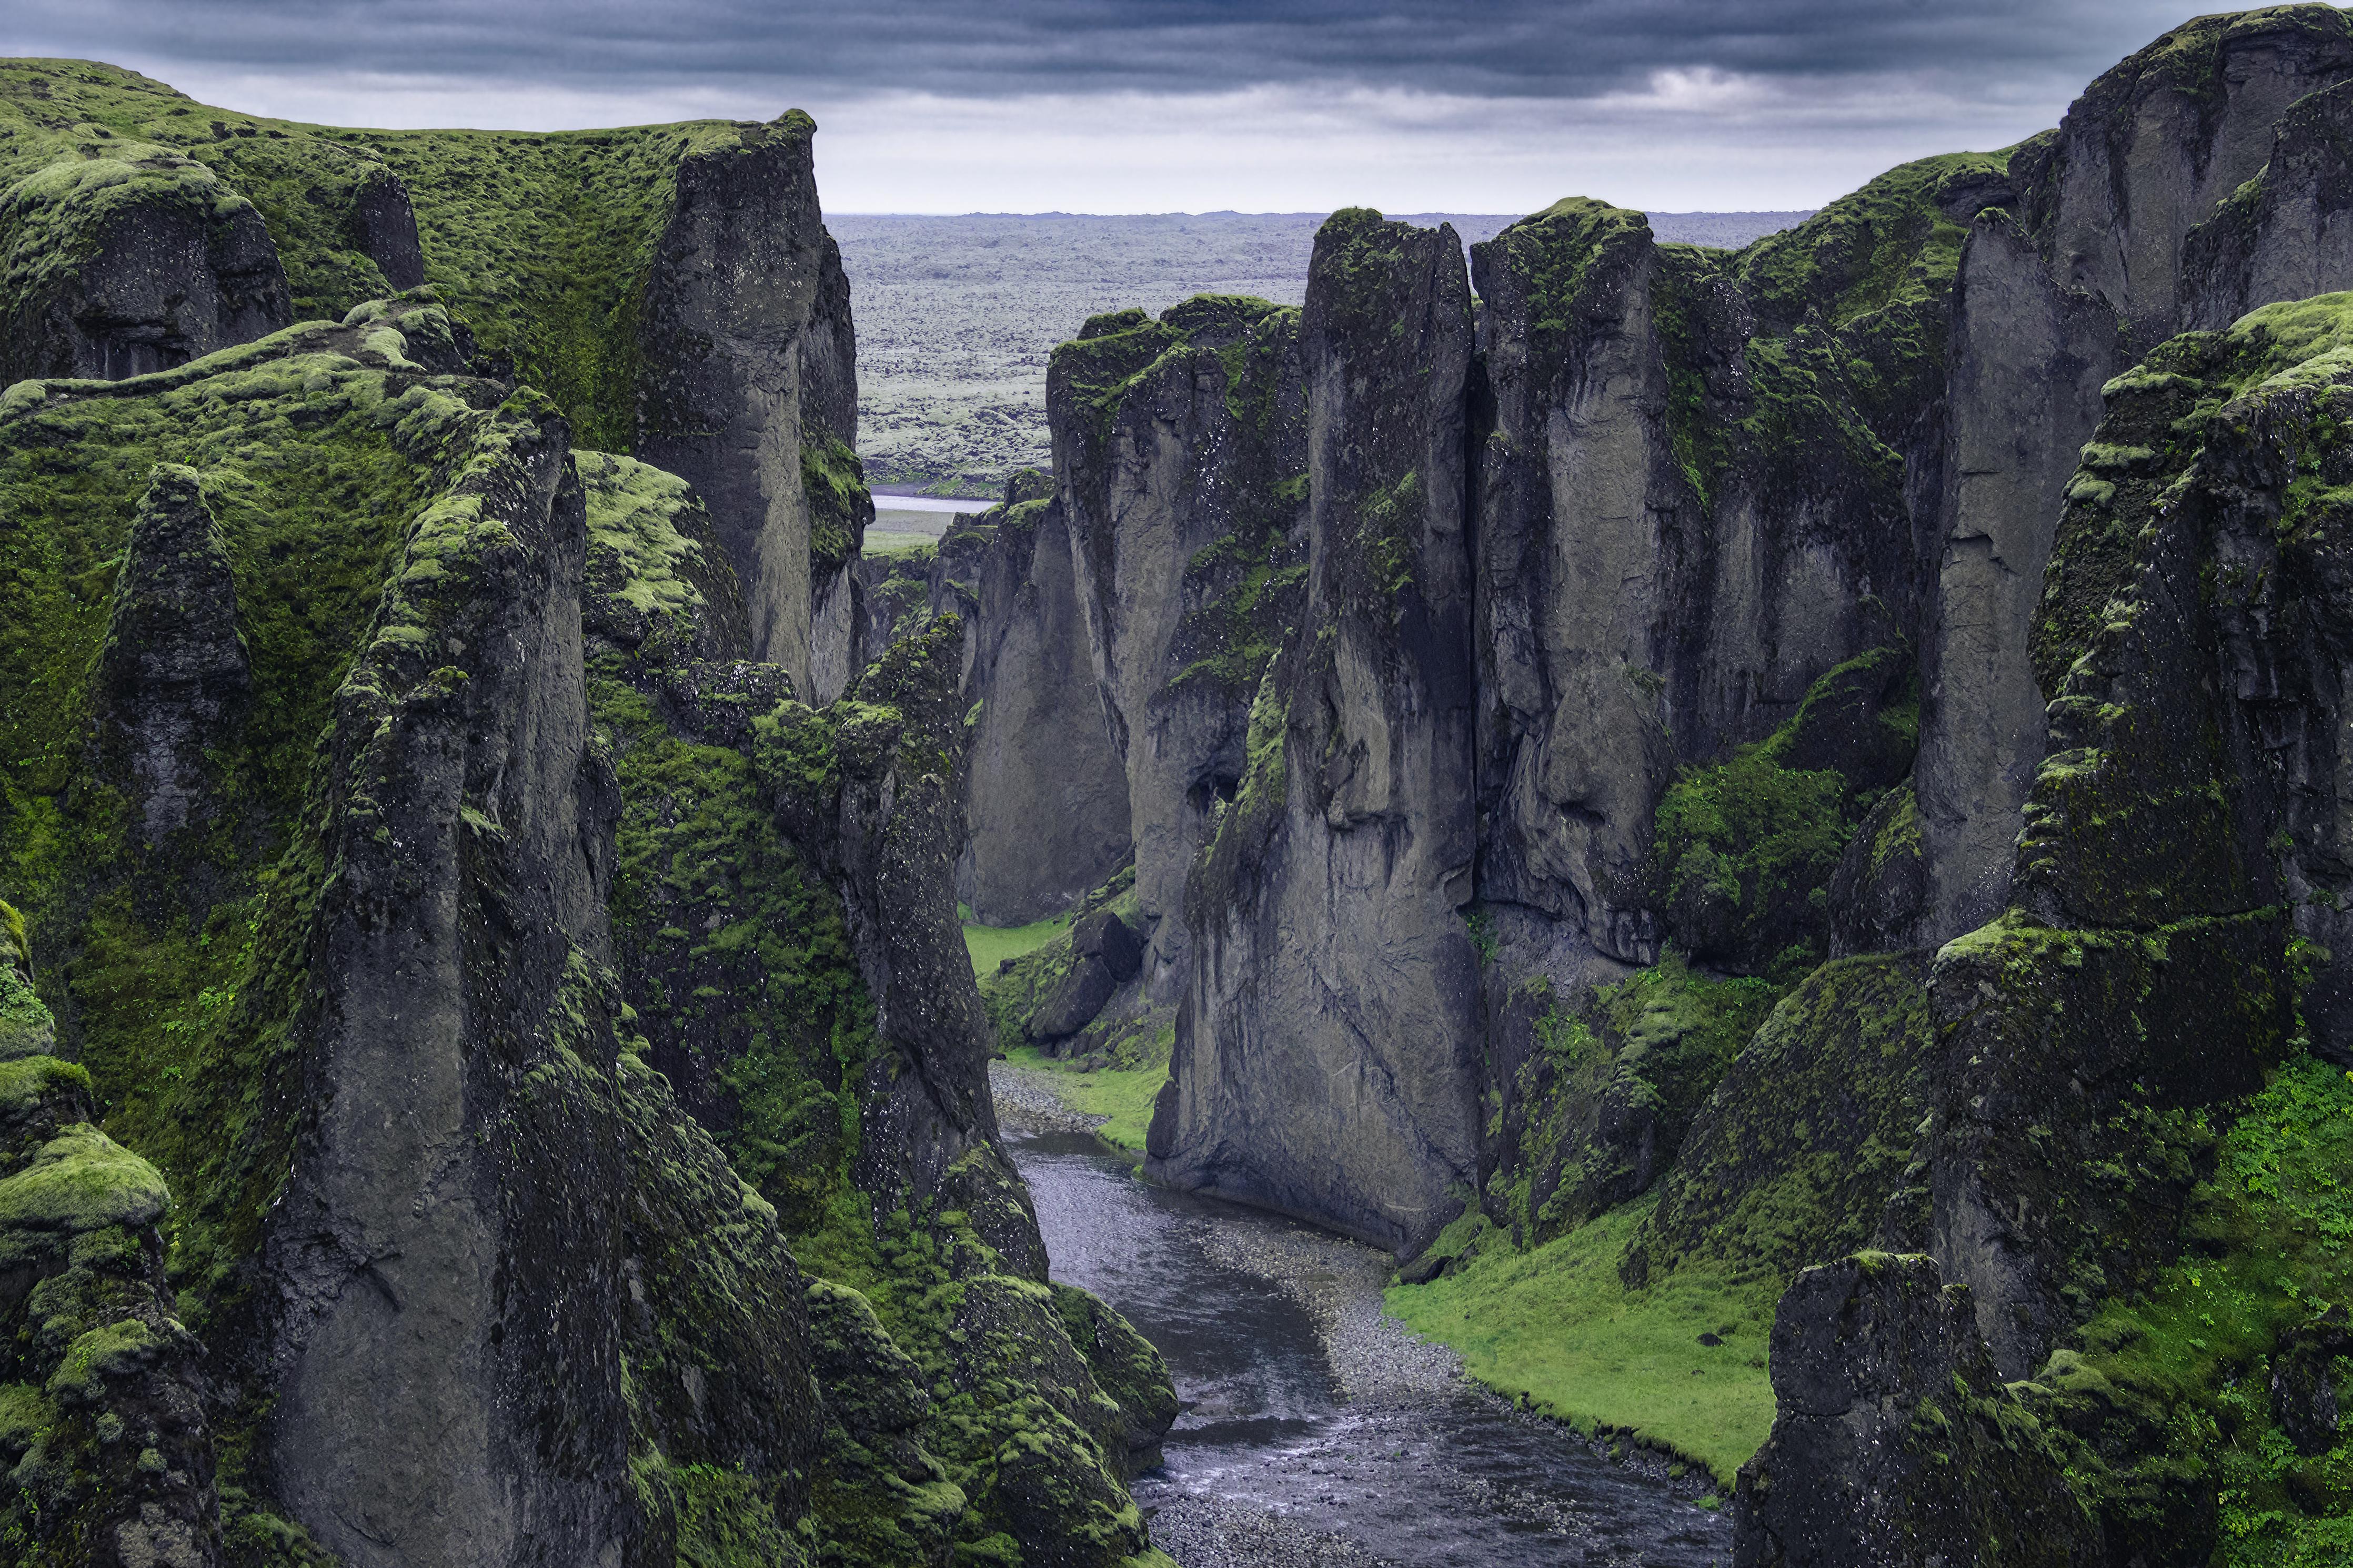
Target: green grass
992, 945
892, 541
1122, 1094
1556, 1326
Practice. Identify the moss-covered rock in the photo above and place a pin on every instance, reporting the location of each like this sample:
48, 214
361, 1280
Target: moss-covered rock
1596, 1097
1748, 849
1896, 1441
102, 1417
1805, 1151
123, 256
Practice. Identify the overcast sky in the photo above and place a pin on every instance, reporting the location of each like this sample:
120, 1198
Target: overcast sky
1180, 105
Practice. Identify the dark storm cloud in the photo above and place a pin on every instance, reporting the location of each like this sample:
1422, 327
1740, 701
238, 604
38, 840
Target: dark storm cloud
1512, 48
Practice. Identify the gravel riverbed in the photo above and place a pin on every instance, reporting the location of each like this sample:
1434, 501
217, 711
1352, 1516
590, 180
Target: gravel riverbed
1406, 1462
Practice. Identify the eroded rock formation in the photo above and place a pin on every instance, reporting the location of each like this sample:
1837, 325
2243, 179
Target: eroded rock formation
558, 1038
1324, 1053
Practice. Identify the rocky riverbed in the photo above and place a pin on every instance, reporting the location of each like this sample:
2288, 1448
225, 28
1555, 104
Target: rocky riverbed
1320, 1433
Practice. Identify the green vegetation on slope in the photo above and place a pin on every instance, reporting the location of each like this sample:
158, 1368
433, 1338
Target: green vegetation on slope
540, 241
993, 945
1122, 1094
1605, 1096
2176, 1383
1556, 1326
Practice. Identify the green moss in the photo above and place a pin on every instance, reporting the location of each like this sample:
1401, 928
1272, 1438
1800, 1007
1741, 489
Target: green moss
2166, 1391
1592, 1117
725, 1517
1121, 1096
1818, 385
1810, 1133
1746, 848
633, 512
840, 507
1557, 1327
540, 241
81, 1180
991, 946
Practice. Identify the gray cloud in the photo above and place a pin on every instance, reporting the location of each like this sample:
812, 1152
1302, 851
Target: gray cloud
1501, 49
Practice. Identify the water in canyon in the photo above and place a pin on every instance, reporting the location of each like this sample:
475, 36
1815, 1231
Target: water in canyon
1317, 1431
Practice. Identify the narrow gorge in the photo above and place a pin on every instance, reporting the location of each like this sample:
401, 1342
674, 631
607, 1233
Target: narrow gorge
1769, 828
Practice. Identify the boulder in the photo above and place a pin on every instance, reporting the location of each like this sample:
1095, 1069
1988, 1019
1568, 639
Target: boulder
1105, 936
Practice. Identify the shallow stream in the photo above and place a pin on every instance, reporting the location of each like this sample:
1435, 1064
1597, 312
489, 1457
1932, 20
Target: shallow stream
1317, 1431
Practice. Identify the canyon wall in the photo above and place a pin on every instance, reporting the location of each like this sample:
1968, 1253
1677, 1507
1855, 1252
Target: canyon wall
520, 951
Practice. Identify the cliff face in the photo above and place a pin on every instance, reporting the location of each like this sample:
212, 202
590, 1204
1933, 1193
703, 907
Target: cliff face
1328, 947
1181, 460
2141, 1011
748, 387
121, 258
509, 1050
1900, 739
2089, 262
672, 288
1041, 738
1696, 486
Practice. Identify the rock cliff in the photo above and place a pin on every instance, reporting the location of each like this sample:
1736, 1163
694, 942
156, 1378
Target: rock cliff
1897, 677
551, 1045
1181, 464
2085, 256
671, 287
1325, 1047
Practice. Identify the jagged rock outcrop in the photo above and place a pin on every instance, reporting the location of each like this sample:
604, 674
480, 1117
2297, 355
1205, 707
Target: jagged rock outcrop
121, 256
1896, 1442
175, 666
464, 1278
2082, 264
2287, 233
791, 868
102, 1422
449, 1230
1329, 950
671, 287
1696, 484
748, 389
1041, 747
1181, 457
2166, 953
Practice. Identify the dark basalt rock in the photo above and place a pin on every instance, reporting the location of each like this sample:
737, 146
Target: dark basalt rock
1104, 935
2307, 1395
1881, 887
1328, 946
1084, 990
105, 1434
2095, 261
749, 385
129, 259
1896, 1442
1180, 460
174, 667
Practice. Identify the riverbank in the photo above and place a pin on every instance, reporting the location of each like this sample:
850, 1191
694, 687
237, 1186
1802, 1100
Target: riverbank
1402, 1422
1678, 1366
1323, 1433
1678, 1370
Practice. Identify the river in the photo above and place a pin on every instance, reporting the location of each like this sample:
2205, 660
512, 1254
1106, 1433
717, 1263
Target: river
1317, 1432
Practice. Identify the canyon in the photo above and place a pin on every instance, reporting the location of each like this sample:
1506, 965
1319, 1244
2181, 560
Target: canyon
1791, 793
